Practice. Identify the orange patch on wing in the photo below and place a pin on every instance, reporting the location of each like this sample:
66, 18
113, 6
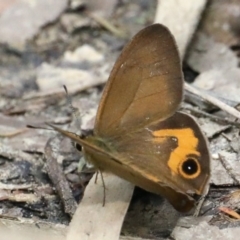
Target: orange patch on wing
187, 145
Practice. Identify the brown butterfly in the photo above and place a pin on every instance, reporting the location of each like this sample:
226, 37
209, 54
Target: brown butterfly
138, 135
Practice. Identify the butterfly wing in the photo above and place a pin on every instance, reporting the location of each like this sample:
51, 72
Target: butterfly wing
145, 85
173, 154
153, 158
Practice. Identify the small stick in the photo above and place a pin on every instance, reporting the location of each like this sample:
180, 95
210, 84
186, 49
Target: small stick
38, 127
228, 169
232, 111
107, 25
214, 118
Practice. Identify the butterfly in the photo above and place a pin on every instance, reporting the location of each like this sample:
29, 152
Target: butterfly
138, 134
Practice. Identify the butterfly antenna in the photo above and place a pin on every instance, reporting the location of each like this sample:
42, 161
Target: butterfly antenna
75, 111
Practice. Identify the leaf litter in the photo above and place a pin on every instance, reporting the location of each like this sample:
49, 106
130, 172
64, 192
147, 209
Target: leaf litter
26, 189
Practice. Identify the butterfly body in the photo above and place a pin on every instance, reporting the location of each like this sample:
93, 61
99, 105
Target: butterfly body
138, 133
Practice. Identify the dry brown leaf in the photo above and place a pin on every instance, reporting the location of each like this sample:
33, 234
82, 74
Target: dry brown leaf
230, 212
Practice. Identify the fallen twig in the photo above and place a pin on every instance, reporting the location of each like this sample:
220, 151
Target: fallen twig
232, 111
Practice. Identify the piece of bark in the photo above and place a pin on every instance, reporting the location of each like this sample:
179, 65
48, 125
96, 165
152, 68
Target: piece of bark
92, 220
22, 20
181, 17
28, 230
58, 178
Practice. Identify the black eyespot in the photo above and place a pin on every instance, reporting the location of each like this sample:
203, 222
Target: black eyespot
190, 166
78, 147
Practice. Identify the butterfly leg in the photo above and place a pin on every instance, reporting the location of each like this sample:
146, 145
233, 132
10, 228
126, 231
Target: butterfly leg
104, 186
84, 167
200, 203
104, 189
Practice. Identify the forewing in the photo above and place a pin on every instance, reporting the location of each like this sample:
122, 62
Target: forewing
145, 84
